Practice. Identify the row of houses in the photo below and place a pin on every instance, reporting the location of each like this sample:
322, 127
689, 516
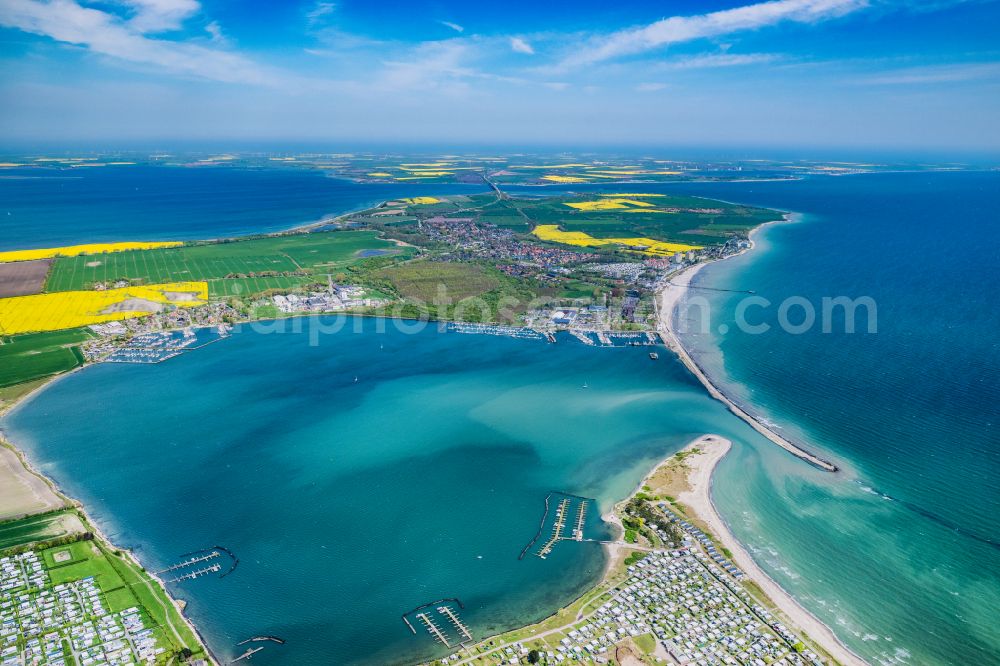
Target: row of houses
705, 542
69, 623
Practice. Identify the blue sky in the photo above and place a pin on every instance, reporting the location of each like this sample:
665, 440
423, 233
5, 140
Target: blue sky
851, 74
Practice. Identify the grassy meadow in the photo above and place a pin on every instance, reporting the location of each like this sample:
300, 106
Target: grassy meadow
27, 357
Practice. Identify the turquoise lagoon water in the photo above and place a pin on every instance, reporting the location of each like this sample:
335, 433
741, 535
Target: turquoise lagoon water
350, 503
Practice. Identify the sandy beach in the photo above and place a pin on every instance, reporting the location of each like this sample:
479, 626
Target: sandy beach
23, 492
698, 481
697, 498
667, 300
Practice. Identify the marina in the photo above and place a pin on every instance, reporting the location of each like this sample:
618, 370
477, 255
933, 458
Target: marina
439, 618
159, 346
567, 508
518, 332
197, 573
200, 557
190, 562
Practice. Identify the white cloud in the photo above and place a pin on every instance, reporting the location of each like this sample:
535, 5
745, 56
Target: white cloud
519, 45
319, 10
429, 65
454, 26
161, 15
712, 60
679, 29
958, 73
215, 32
650, 87
108, 35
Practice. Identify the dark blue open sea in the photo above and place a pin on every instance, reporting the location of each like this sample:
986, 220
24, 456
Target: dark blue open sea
49, 207
351, 502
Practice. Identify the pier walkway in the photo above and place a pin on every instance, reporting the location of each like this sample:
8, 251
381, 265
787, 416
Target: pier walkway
581, 517
191, 575
557, 528
433, 629
188, 563
453, 618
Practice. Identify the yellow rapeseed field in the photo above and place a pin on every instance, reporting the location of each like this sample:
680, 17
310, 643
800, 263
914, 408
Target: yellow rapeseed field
426, 174
75, 250
547, 166
631, 194
380, 174
422, 200
69, 309
564, 179
609, 204
650, 246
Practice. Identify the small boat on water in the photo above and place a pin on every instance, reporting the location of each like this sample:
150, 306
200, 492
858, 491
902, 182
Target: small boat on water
654, 355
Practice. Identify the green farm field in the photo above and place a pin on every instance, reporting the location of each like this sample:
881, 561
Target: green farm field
690, 220
41, 527
286, 256
36, 355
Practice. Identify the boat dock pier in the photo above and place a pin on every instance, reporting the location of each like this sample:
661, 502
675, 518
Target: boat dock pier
190, 562
191, 575
246, 655
581, 516
603, 337
453, 618
582, 337
433, 629
557, 528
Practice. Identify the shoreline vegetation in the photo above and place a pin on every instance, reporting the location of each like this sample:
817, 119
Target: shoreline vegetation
618, 552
